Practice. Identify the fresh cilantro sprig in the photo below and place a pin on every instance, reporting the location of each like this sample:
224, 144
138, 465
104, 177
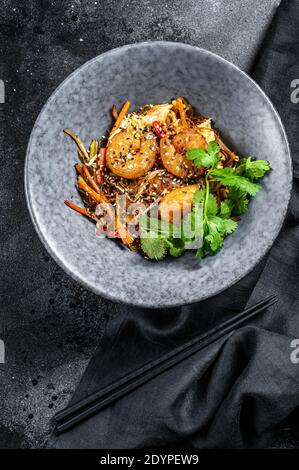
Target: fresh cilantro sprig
154, 245
206, 158
217, 221
239, 200
159, 237
228, 177
252, 169
209, 222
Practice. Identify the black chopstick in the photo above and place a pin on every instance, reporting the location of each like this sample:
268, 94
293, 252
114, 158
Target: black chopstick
95, 402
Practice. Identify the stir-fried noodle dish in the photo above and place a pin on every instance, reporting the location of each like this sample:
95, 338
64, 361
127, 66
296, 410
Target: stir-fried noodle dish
162, 181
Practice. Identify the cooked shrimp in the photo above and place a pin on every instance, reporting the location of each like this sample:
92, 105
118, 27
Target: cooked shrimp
155, 184
176, 204
173, 152
129, 156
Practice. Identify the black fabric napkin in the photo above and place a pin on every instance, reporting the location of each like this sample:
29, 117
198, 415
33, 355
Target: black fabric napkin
234, 393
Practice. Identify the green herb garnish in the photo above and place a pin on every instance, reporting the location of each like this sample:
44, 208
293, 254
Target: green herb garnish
153, 245
252, 169
217, 221
210, 220
159, 237
205, 158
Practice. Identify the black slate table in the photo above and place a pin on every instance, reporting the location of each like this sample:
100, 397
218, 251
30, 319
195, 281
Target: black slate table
52, 325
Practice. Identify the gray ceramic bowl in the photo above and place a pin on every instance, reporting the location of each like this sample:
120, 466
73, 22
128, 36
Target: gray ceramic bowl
146, 73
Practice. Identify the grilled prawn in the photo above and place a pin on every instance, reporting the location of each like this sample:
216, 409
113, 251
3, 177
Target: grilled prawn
173, 152
176, 204
131, 155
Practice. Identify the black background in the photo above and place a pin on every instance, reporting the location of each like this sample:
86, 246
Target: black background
51, 325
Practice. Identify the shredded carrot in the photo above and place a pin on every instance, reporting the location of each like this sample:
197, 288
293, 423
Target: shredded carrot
120, 227
98, 197
78, 209
78, 169
101, 164
114, 112
90, 179
102, 159
99, 176
125, 236
182, 112
121, 116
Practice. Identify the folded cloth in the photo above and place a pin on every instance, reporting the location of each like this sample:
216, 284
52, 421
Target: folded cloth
235, 392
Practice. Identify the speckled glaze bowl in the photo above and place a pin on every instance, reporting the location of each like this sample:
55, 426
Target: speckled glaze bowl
145, 73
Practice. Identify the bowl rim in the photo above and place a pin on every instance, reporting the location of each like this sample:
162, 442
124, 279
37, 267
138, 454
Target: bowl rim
97, 290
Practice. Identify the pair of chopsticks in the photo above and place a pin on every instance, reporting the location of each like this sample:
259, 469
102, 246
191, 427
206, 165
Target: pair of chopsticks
95, 402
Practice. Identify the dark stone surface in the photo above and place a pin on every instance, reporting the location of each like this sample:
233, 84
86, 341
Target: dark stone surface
50, 324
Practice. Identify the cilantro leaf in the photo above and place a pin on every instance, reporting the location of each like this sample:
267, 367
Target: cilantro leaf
176, 246
212, 206
228, 226
218, 228
192, 224
213, 237
213, 148
199, 196
226, 207
252, 169
216, 224
239, 201
201, 251
192, 227
206, 158
195, 153
228, 177
153, 246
